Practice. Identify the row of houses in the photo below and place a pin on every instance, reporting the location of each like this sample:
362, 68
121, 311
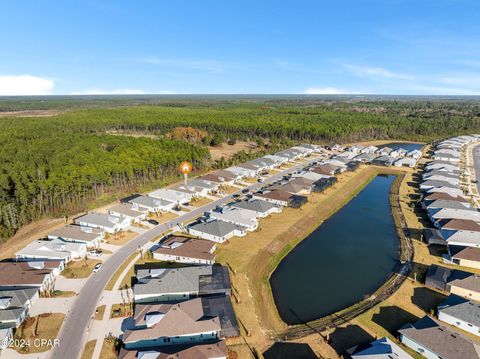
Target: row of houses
455, 220
180, 312
455, 224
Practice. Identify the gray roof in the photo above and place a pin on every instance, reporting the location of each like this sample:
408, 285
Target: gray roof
146, 201
434, 183
447, 204
71, 232
196, 279
461, 308
383, 348
255, 205
216, 227
441, 340
12, 302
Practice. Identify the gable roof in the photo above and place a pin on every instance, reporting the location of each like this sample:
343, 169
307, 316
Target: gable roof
460, 224
13, 301
461, 308
255, 205
73, 232
216, 227
196, 351
186, 247
22, 273
383, 348
441, 340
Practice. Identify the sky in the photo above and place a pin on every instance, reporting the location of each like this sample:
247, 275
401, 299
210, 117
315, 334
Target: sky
404, 47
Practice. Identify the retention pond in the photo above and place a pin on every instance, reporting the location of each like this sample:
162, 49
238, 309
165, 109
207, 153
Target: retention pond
343, 261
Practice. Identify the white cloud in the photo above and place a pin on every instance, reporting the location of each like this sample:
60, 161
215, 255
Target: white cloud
326, 91
371, 71
98, 91
23, 85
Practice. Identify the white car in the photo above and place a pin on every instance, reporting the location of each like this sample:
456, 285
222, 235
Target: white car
97, 267
95, 252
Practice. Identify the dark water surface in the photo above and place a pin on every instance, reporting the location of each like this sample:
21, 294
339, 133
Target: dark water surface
346, 258
405, 145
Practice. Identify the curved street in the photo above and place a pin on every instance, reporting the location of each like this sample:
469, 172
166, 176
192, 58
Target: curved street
73, 333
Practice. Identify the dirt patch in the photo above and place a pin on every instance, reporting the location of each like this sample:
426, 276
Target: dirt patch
31, 113
227, 151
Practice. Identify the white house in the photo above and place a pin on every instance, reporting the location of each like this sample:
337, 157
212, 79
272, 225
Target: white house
415, 154
216, 231
55, 249
461, 313
242, 172
127, 211
406, 162
437, 214
92, 237
260, 209
172, 195
109, 223
150, 204
237, 216
451, 191
369, 149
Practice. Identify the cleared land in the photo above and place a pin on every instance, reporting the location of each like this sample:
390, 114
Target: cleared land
80, 269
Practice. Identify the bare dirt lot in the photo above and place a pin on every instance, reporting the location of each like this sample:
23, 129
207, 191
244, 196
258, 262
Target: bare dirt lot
227, 151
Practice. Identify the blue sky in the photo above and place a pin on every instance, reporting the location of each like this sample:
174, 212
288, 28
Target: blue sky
233, 47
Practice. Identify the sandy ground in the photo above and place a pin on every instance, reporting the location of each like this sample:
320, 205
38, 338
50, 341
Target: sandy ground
31, 113
227, 151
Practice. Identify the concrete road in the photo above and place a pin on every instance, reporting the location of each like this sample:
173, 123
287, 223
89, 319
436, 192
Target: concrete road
75, 328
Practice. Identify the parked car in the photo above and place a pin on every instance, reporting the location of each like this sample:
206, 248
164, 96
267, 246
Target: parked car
97, 267
246, 190
152, 221
236, 195
261, 180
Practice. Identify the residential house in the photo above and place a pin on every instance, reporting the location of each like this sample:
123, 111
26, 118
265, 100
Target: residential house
109, 223
464, 256
365, 157
192, 190
310, 175
383, 160
236, 216
461, 313
171, 324
278, 160
437, 214
446, 157
127, 211
14, 305
454, 281
177, 284
172, 195
151, 204
405, 162
91, 237
221, 177
444, 203
54, 249
260, 209
185, 250
369, 149
448, 190
383, 348
415, 154
281, 198
215, 230
427, 185
293, 188
433, 340
445, 178
459, 225
26, 274
242, 172
384, 151
214, 350
398, 152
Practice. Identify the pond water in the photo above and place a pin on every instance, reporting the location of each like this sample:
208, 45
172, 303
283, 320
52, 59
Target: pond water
346, 258
405, 145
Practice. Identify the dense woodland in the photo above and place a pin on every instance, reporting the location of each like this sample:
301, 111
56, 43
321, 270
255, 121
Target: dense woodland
53, 166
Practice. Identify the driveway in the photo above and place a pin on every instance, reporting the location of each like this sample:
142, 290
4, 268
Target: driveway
73, 332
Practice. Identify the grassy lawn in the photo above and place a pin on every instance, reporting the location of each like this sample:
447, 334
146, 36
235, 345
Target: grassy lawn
163, 217
121, 238
109, 349
99, 312
88, 349
80, 269
120, 311
201, 201
44, 326
119, 271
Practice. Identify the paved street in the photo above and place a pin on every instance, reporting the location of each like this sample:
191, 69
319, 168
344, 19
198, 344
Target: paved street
74, 330
476, 165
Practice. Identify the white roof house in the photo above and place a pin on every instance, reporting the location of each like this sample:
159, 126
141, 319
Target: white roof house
171, 195
415, 154
437, 214
446, 157
261, 209
54, 249
405, 161
399, 152
451, 191
71, 233
277, 159
309, 175
127, 211
241, 172
438, 177
461, 238
237, 216
216, 231
107, 222
193, 190
151, 204
369, 149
